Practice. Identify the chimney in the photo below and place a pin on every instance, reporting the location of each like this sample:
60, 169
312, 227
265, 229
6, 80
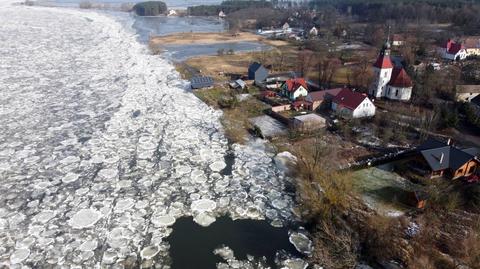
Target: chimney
441, 158
449, 142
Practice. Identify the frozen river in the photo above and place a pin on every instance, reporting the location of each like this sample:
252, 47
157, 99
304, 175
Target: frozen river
102, 149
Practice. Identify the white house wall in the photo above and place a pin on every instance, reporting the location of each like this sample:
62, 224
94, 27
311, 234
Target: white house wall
365, 109
301, 91
398, 93
382, 77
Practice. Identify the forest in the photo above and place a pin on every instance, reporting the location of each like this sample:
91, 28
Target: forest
150, 8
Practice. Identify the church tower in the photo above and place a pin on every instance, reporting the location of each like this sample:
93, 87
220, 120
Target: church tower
383, 68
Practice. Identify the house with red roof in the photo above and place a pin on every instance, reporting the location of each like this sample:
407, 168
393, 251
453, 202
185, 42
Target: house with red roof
454, 51
351, 104
391, 82
318, 98
294, 88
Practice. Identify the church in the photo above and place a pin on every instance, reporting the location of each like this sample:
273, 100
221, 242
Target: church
391, 82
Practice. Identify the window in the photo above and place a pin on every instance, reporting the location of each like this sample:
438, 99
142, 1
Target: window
396, 93
385, 74
388, 91
472, 169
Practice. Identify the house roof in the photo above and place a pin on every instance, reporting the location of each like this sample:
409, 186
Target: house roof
431, 143
349, 98
476, 100
294, 83
255, 66
473, 151
467, 88
320, 95
441, 156
312, 117
400, 79
452, 47
383, 61
201, 82
240, 83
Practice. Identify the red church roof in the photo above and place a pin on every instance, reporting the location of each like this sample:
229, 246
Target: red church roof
349, 99
400, 79
452, 47
383, 62
294, 83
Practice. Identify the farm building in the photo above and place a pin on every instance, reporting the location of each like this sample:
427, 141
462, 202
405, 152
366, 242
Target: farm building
201, 82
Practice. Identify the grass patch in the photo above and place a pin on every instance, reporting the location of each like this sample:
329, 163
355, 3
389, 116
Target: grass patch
212, 96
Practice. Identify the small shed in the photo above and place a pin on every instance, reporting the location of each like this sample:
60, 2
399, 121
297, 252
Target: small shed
257, 72
201, 82
238, 84
309, 122
417, 198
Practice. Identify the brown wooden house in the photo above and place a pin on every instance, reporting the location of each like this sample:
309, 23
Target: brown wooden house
443, 159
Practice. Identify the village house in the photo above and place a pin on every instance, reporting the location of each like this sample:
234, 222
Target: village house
221, 14
294, 88
318, 98
313, 31
257, 72
391, 82
437, 159
171, 12
398, 40
472, 45
454, 51
350, 104
465, 93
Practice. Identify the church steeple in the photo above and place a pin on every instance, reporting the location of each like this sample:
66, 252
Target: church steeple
386, 47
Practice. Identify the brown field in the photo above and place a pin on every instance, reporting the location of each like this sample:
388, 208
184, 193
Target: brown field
212, 38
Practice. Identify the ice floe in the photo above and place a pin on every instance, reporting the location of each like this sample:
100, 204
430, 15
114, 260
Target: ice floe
301, 242
85, 218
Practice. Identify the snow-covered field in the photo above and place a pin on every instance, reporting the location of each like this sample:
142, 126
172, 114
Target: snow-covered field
101, 148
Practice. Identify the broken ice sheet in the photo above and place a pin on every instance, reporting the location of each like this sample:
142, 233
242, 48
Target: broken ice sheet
104, 182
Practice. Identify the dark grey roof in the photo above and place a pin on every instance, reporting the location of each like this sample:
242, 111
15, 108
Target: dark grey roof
446, 157
473, 151
437, 158
201, 82
476, 100
431, 143
254, 67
